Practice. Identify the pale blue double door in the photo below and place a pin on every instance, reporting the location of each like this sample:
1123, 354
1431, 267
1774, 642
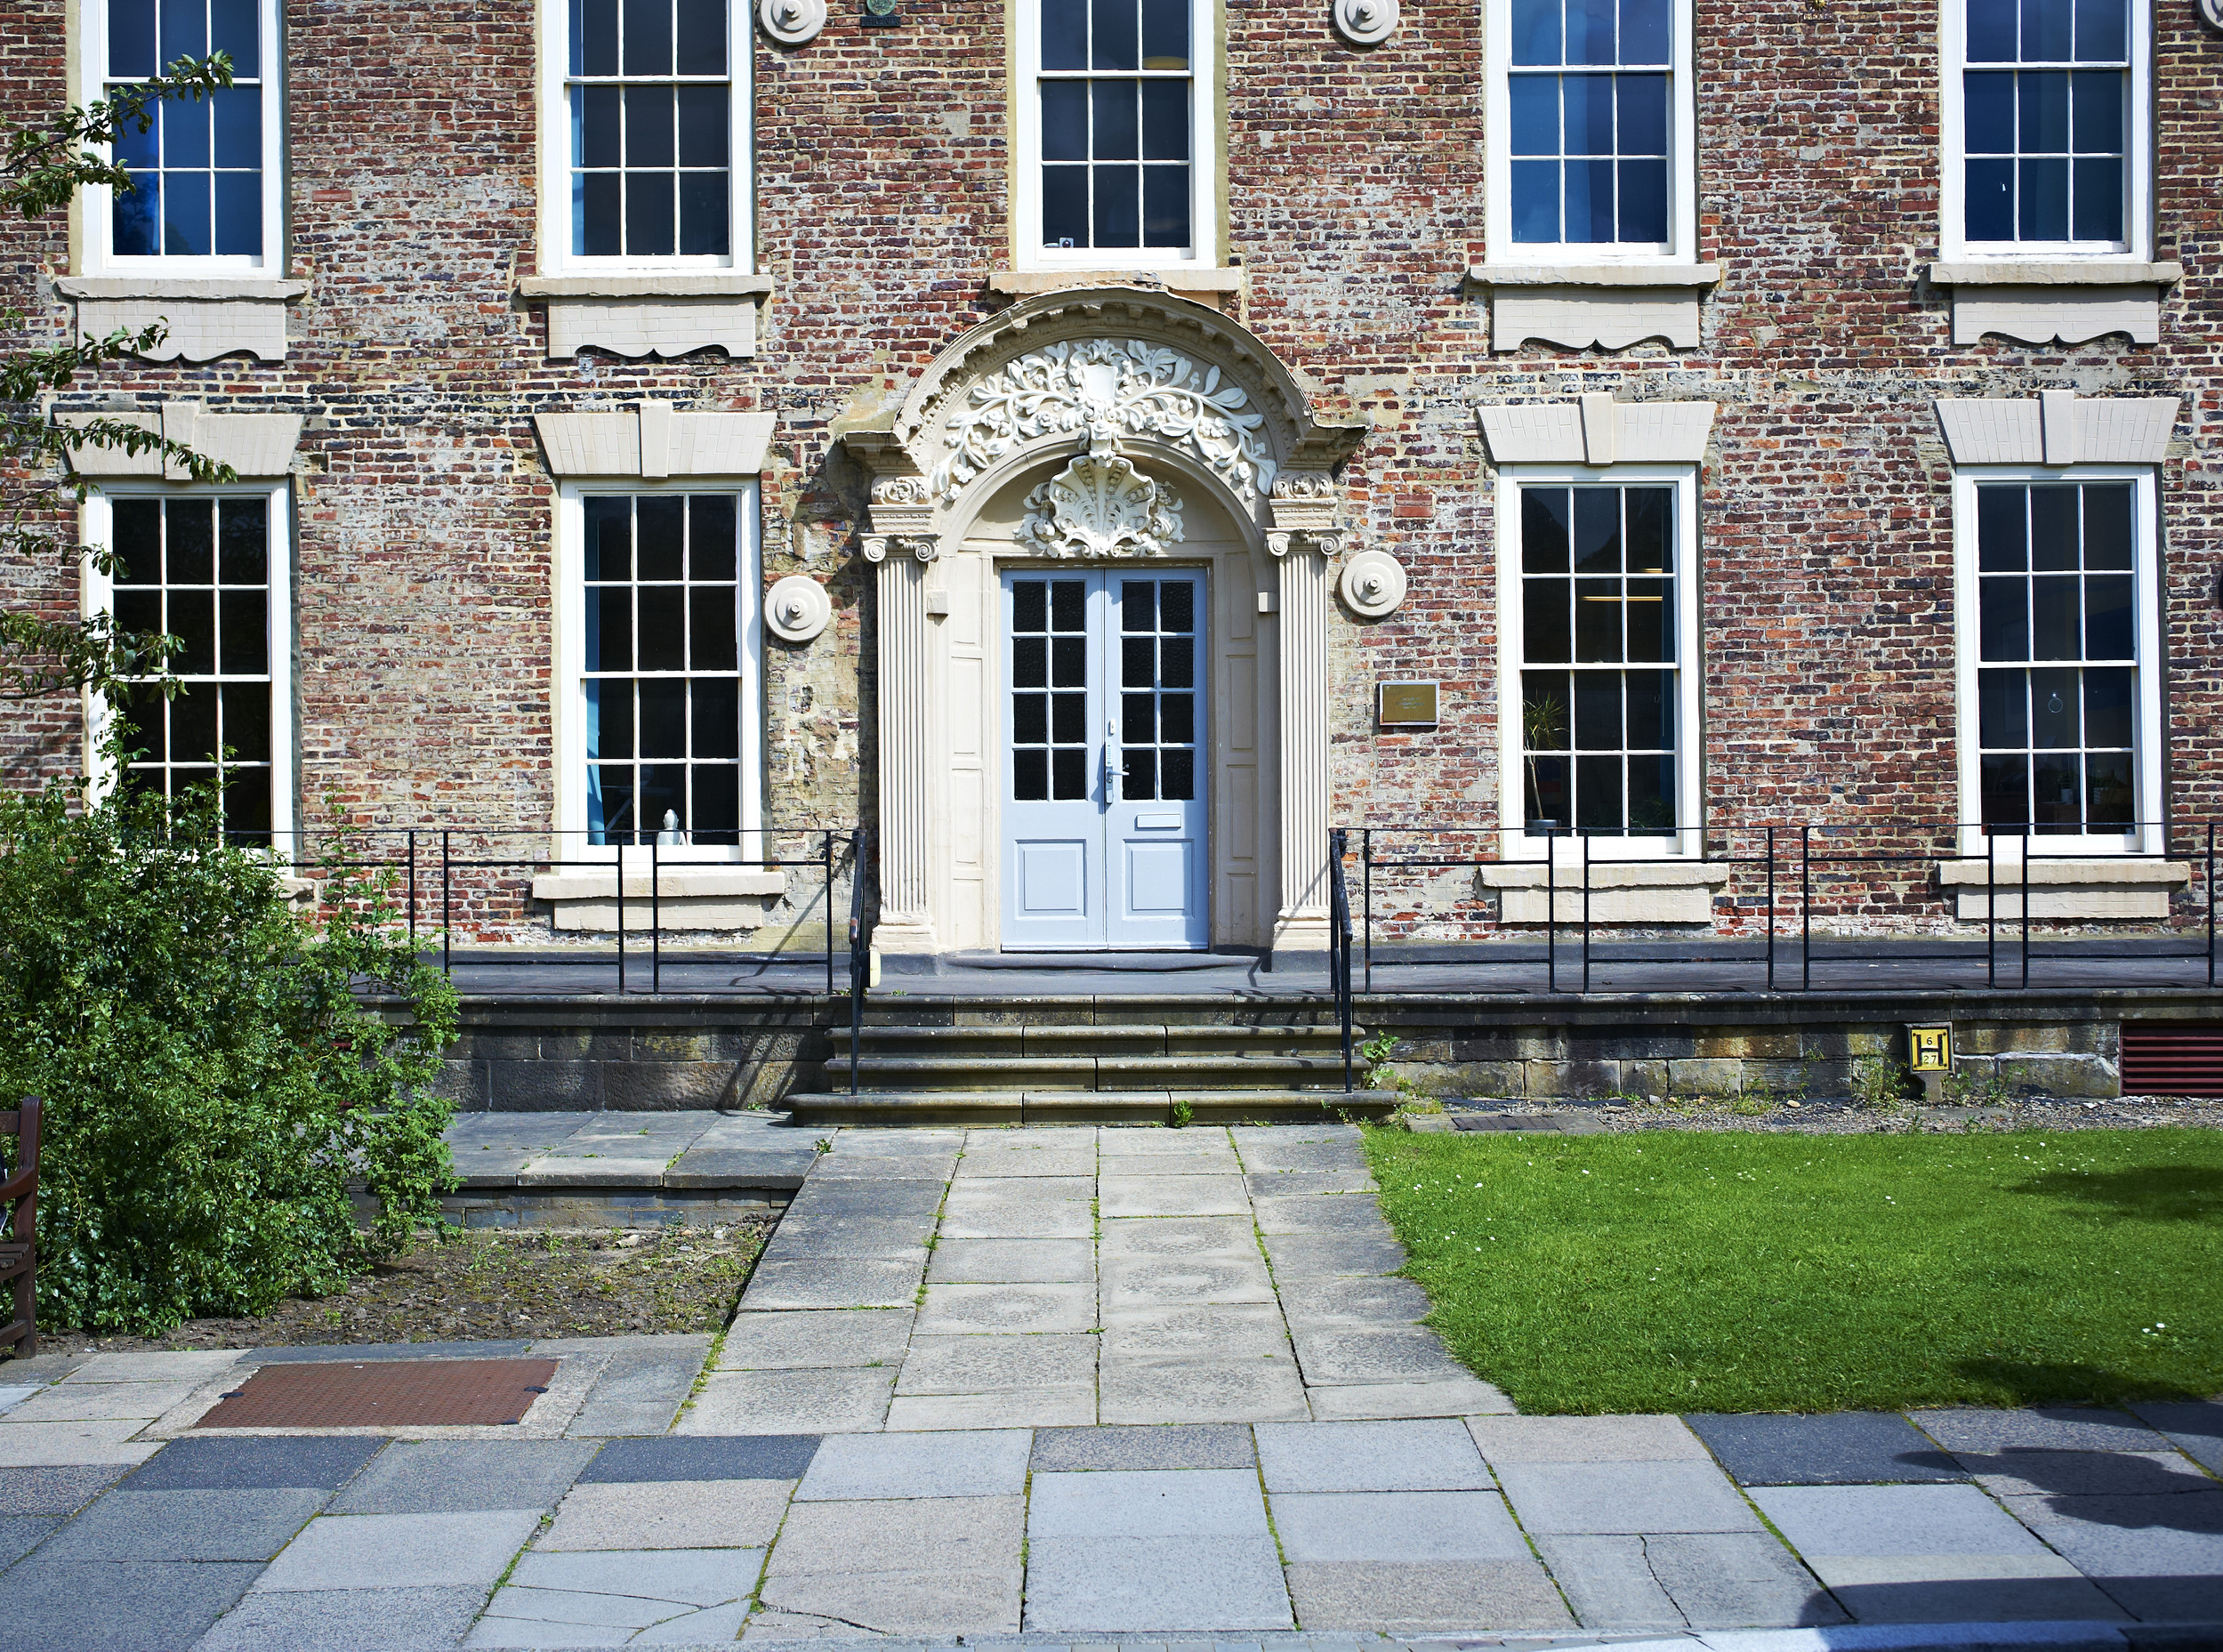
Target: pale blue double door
1106, 819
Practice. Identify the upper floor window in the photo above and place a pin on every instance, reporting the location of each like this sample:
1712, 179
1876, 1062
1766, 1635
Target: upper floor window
652, 108
2052, 146
1112, 125
205, 174
1591, 101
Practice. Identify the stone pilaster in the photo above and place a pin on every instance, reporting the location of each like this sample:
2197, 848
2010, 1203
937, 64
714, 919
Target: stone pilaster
1300, 925
906, 734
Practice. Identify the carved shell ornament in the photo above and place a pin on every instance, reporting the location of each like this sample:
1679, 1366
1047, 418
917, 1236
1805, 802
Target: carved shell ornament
1122, 387
1097, 505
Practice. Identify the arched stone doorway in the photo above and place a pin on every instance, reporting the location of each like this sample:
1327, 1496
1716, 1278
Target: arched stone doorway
1097, 444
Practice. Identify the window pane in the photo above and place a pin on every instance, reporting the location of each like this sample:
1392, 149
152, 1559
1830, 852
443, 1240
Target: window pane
1598, 620
2005, 787
1535, 201
659, 522
716, 705
238, 112
1030, 719
1597, 531
663, 634
2004, 625
184, 29
1589, 200
1534, 114
610, 632
1651, 627
2096, 103
1140, 776
715, 816
609, 719
648, 36
2056, 709
1644, 31
1178, 720
1069, 663
1545, 631
1597, 793
131, 39
711, 551
1598, 726
1065, 120
1177, 608
1114, 36
702, 36
1643, 200
2109, 633
1030, 663
1546, 696
2055, 628
1177, 663
1178, 776
2107, 525
1068, 774
238, 214
1642, 102
1536, 31
2041, 214
2109, 800
711, 627
235, 30
1064, 34
662, 717
648, 126
1138, 662
193, 724
2107, 707
1030, 606
2100, 32
1165, 120
2057, 786
1546, 791
1139, 719
246, 617
1116, 220
595, 216
2004, 708
2045, 30
663, 798
1068, 607
1651, 711
1652, 794
1030, 775
1648, 513
704, 125
136, 218
1991, 25
192, 543
1065, 216
1068, 719
1590, 31
139, 610
2053, 518
185, 214
1166, 207
2001, 529
185, 135
2098, 189
135, 536
1589, 104
595, 125
1116, 135
1165, 34
703, 214
1987, 105
1543, 531
1990, 187
594, 36
2041, 110
246, 720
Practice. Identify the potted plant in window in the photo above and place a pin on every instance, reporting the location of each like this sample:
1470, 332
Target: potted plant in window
1542, 726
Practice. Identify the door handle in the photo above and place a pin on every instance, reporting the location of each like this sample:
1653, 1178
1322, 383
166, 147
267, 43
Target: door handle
1115, 764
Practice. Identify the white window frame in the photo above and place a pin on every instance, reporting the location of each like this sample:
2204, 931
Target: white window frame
95, 202
1953, 245
1687, 841
97, 592
1206, 183
556, 256
569, 686
1681, 246
2146, 596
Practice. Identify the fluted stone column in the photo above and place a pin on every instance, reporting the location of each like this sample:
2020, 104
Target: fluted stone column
906, 801
1301, 924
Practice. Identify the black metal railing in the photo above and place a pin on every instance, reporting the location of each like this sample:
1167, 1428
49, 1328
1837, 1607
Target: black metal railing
1340, 941
859, 955
1799, 898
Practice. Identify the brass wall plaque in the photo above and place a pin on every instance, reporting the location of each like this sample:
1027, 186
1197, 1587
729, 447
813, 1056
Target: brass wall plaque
1408, 705
1930, 1049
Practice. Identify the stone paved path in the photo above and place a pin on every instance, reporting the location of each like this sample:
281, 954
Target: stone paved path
1150, 1387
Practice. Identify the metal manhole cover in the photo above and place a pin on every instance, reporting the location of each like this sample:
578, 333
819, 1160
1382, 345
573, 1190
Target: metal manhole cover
386, 1393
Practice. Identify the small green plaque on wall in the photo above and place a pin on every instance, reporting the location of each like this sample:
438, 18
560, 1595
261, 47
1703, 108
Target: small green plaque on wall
1407, 704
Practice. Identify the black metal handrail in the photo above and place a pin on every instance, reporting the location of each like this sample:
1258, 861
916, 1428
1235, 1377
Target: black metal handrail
859, 952
1340, 941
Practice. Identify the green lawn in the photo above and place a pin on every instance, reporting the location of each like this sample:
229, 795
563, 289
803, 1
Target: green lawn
1703, 1271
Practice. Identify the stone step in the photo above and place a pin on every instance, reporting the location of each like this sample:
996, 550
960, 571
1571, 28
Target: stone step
1069, 1041
1083, 1072
1089, 1107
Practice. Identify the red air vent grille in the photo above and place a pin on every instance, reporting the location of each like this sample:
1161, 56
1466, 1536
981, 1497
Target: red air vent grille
2167, 1059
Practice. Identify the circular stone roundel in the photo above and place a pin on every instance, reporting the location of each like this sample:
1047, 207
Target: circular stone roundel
792, 22
1362, 22
1373, 583
797, 609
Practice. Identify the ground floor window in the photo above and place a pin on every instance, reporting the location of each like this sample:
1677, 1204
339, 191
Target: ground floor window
666, 668
210, 571
1600, 638
2059, 574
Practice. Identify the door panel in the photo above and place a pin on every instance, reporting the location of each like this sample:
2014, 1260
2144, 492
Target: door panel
1105, 821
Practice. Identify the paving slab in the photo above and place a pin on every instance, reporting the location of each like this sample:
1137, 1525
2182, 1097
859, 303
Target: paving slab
1338, 1303
85, 1402
307, 1462
1419, 1455
1150, 1502
1160, 1237
345, 1620
1706, 1580
744, 1457
1623, 1497
44, 1445
956, 1309
989, 1209
790, 1402
2159, 1555
1835, 1448
1175, 1445
185, 1525
1061, 1404
1140, 1585
1409, 1598
1208, 1161
183, 1366
453, 1476
1609, 1583
670, 1597
921, 1565
1376, 1354
2059, 1428
1395, 1525
401, 1551
639, 1390
979, 1166
851, 1283
2194, 1427
1353, 1215
987, 1464
845, 1237
56, 1491
828, 1338
1012, 1261
1174, 1281
668, 1514
1159, 1195
1228, 1331
1637, 1439
1254, 1390
2072, 1474
1328, 1255
19, 1534
1460, 1397
996, 1363
108, 1606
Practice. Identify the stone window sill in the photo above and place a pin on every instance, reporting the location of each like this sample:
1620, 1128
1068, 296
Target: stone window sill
1621, 891
208, 316
1170, 278
1663, 275
2058, 272
1577, 306
632, 313
687, 898
2100, 886
650, 283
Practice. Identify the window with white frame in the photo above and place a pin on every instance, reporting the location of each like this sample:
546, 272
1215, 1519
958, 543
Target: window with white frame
654, 106
1115, 123
2045, 104
1590, 108
2061, 678
663, 589
209, 570
205, 174
1599, 638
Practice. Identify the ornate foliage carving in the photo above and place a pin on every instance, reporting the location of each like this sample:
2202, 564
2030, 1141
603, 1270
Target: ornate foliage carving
899, 490
1097, 505
1119, 388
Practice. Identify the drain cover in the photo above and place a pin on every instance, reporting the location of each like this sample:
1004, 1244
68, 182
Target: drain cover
386, 1393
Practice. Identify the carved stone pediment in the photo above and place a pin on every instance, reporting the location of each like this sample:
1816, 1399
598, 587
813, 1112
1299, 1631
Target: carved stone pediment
1100, 505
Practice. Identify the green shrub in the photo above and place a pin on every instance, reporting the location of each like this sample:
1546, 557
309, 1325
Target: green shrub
212, 1073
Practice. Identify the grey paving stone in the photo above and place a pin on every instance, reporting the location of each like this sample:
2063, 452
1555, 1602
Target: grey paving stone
1012, 1261
1211, 1161
1434, 1454
2059, 1428
989, 1209
1175, 1281
1609, 1582
1151, 1503
668, 1514
1158, 1195
1052, 1404
1585, 1439
993, 1363
1739, 1580
2072, 1474
1254, 1389
1448, 1397
344, 1620
185, 1525
674, 1598
1396, 1354
832, 1337
1353, 1215
85, 1402
1262, 1154
696, 1577
1156, 1238
451, 1476
2194, 1427
938, 1603
1197, 1446
837, 1170
790, 1402
977, 1165
1624, 1497
724, 1166
2168, 1534
1417, 1597
401, 1551
1395, 1525
56, 1490
901, 1536
1341, 1302
304, 1461
182, 1365
832, 1284
106, 1606
744, 1457
892, 1196
957, 1309
1228, 1331
640, 1389
1329, 1255
19, 1534
987, 1464
356, 1353
1980, 1601
51, 1444
1139, 1585
805, 1236
1835, 1448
